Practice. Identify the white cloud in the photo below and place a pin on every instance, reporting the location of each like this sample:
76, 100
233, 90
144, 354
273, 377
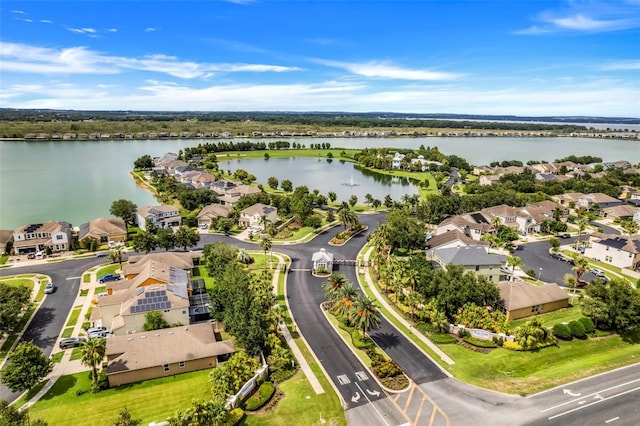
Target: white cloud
81, 60
150, 29
46, 21
89, 30
18, 12
375, 69
112, 30
584, 23
598, 98
633, 64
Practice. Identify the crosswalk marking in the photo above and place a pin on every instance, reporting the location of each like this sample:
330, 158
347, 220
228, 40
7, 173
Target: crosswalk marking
362, 376
343, 379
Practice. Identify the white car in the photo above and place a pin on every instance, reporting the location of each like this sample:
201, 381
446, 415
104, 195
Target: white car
598, 273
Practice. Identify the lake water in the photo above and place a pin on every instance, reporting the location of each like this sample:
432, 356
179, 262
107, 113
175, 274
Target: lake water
78, 181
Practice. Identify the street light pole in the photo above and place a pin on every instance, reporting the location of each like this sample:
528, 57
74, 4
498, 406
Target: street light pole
539, 274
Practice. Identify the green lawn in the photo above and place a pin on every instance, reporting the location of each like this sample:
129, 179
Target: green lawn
76, 353
73, 318
84, 292
67, 332
530, 372
86, 278
110, 269
552, 318
152, 400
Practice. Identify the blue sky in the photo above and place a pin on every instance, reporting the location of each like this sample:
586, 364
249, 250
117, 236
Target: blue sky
466, 57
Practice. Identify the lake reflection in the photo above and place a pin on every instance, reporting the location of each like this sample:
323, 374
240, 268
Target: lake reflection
343, 178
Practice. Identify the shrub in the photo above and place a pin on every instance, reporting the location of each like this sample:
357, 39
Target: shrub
577, 330
425, 327
283, 374
479, 343
360, 341
442, 338
260, 397
499, 341
588, 325
512, 346
562, 331
235, 416
387, 368
462, 333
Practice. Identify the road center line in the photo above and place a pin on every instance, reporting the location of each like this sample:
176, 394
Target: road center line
593, 403
73, 278
588, 395
612, 420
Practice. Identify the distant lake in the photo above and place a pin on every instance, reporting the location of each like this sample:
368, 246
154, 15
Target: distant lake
77, 181
326, 175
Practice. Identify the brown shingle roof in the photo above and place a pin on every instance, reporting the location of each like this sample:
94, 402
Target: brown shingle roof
519, 294
167, 346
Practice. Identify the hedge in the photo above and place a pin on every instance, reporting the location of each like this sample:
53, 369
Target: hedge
235, 416
261, 397
360, 341
480, 343
562, 331
514, 346
588, 325
577, 330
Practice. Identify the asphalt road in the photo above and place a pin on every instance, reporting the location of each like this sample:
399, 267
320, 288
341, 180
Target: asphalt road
50, 318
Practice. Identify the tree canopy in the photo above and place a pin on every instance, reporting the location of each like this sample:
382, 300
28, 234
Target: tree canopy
25, 367
13, 301
125, 210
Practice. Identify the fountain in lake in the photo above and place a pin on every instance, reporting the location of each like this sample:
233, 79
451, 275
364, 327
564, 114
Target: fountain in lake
351, 182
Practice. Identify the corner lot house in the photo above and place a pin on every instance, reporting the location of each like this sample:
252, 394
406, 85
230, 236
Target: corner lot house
210, 213
622, 251
37, 237
520, 299
161, 216
104, 230
161, 353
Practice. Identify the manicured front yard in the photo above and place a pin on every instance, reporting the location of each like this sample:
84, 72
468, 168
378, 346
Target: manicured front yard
153, 400
110, 269
552, 318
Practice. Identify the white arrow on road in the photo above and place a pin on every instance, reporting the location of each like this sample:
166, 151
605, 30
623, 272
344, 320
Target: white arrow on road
598, 396
374, 393
356, 397
568, 392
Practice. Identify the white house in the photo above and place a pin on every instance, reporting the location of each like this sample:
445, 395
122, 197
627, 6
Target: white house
252, 216
37, 237
322, 260
161, 216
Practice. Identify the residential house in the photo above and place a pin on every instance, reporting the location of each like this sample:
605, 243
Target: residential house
56, 235
622, 164
6, 235
252, 216
209, 214
568, 199
396, 162
604, 201
623, 211
162, 216
629, 192
488, 179
479, 170
474, 259
322, 260
453, 238
424, 164
519, 299
104, 230
157, 287
622, 251
473, 225
162, 353
185, 260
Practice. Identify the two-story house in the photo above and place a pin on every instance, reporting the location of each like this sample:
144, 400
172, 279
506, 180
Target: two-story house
56, 235
252, 216
474, 259
622, 251
103, 230
161, 216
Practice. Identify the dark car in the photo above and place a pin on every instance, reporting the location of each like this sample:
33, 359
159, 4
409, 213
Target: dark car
72, 342
565, 235
109, 277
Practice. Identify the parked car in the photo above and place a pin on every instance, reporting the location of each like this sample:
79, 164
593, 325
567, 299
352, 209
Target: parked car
31, 256
598, 273
109, 277
97, 332
581, 283
558, 256
49, 288
565, 235
72, 342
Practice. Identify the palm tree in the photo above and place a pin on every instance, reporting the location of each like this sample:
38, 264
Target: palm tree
115, 254
347, 217
415, 299
366, 314
93, 353
243, 257
580, 266
344, 300
629, 226
514, 262
582, 223
531, 334
333, 285
266, 245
